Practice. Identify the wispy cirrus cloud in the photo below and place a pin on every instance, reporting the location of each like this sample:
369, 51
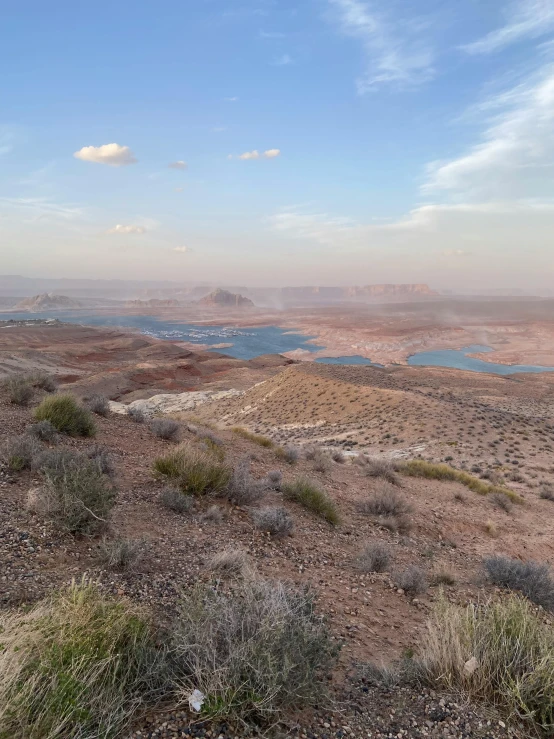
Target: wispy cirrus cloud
282, 61
515, 155
179, 164
43, 207
524, 19
397, 53
113, 155
7, 139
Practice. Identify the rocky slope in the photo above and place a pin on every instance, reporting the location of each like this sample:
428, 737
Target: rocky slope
224, 299
47, 301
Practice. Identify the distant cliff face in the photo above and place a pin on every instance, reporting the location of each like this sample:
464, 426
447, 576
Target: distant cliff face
47, 301
366, 291
225, 299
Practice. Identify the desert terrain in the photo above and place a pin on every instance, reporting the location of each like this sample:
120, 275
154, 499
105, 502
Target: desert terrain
327, 423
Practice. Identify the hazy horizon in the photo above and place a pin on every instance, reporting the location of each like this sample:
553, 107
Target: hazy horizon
316, 142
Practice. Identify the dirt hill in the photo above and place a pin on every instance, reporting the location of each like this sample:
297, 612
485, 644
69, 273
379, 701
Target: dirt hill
47, 301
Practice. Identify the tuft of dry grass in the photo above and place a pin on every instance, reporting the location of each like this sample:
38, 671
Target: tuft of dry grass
275, 521
384, 468
532, 579
310, 496
375, 558
98, 404
79, 665
175, 500
255, 438
432, 471
19, 389
289, 453
122, 553
165, 428
386, 502
412, 580
231, 561
195, 472
243, 489
497, 652
21, 452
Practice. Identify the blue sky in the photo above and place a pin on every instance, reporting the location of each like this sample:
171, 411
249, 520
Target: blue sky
279, 141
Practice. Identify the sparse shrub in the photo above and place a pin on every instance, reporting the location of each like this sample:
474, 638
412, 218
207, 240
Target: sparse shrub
136, 414
214, 514
386, 502
499, 500
288, 453
546, 491
397, 524
21, 452
66, 415
43, 430
44, 381
196, 472
275, 478
121, 553
498, 652
381, 467
56, 460
412, 580
19, 389
76, 495
431, 471
322, 461
338, 456
273, 520
98, 404
79, 666
102, 458
533, 579
230, 562
310, 496
255, 652
243, 489
310, 452
375, 558
175, 500
256, 438
165, 428
491, 529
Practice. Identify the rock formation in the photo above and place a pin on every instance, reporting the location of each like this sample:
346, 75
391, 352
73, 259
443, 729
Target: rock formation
224, 299
47, 301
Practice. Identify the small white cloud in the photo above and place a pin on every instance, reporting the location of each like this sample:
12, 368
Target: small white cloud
112, 154
121, 229
255, 154
181, 249
179, 164
250, 155
282, 61
218, 129
179, 189
231, 100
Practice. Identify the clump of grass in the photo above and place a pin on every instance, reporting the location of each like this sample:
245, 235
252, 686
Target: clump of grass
412, 580
497, 652
136, 414
381, 467
230, 561
19, 389
432, 471
443, 577
78, 665
255, 652
500, 500
175, 500
338, 456
76, 495
289, 453
98, 404
546, 491
66, 415
491, 529
275, 478
274, 520
532, 579
255, 438
165, 428
194, 471
43, 430
310, 496
21, 452
121, 553
243, 489
56, 460
374, 558
214, 514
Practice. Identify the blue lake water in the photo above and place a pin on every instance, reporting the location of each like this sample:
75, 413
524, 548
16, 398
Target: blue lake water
246, 342
458, 359
354, 359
